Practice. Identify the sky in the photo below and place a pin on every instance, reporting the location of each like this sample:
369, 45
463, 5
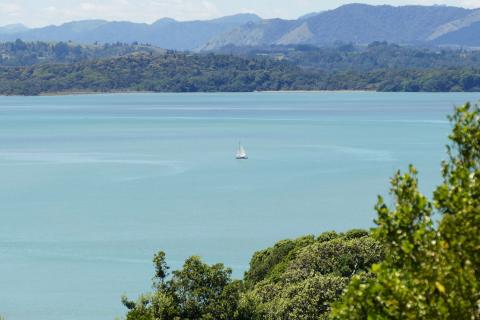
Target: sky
36, 13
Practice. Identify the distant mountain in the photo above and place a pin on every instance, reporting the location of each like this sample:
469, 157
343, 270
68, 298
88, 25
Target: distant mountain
252, 34
354, 23
468, 36
359, 24
22, 54
165, 33
13, 28
462, 32
308, 15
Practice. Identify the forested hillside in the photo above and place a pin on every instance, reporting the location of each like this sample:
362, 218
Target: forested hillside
20, 53
172, 72
214, 73
377, 55
48, 68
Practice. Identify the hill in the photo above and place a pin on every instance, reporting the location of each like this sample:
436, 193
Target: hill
13, 28
377, 55
173, 72
358, 24
466, 37
20, 53
170, 72
165, 33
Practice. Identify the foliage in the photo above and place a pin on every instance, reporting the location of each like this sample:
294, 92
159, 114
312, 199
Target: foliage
295, 279
310, 277
170, 72
197, 291
375, 56
272, 262
431, 271
20, 53
379, 66
44, 68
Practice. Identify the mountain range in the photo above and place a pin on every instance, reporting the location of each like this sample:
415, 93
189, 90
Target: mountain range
353, 23
165, 33
362, 24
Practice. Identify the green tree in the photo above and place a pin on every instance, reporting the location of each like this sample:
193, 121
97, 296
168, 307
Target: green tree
295, 279
300, 279
197, 291
431, 270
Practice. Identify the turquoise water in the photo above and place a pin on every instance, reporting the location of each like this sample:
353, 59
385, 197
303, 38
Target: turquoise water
91, 186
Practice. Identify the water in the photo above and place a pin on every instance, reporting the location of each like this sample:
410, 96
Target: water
92, 186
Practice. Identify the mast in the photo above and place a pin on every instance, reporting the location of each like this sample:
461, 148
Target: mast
241, 153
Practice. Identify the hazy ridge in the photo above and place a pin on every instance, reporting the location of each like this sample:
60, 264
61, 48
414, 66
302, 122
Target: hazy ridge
353, 23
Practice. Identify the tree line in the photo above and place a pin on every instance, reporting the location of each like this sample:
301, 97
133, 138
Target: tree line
376, 55
20, 53
169, 72
184, 72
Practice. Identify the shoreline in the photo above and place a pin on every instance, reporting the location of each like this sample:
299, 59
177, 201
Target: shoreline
81, 93
76, 93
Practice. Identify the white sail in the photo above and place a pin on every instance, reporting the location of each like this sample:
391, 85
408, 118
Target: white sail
241, 153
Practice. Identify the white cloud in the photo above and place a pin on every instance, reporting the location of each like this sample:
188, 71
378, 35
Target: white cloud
470, 3
457, 3
179, 9
10, 9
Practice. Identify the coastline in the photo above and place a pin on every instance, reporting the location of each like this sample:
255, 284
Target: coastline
80, 93
319, 91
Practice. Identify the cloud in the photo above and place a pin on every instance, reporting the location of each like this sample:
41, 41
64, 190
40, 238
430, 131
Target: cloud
10, 9
470, 3
148, 10
180, 9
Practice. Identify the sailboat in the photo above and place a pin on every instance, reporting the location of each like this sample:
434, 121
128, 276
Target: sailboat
241, 153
